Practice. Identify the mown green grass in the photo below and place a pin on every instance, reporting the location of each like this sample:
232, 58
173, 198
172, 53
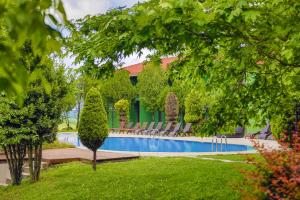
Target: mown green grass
147, 178
57, 145
63, 126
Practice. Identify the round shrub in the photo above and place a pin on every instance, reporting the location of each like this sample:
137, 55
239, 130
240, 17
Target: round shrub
194, 107
93, 126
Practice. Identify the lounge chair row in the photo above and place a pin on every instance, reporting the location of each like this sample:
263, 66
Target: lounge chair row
144, 129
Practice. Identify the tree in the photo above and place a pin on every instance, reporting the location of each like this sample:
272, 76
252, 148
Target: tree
118, 87
44, 97
83, 84
14, 134
122, 108
69, 103
93, 128
151, 82
248, 50
200, 105
38, 21
172, 108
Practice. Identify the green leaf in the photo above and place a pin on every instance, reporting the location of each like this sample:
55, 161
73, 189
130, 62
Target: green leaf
251, 15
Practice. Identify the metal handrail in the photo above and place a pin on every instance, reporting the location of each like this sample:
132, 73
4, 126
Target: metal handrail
223, 136
212, 143
214, 140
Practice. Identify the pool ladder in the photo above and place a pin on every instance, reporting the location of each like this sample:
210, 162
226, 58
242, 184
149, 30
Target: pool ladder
215, 141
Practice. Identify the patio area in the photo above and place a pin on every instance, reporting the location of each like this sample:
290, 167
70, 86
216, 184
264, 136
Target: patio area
59, 156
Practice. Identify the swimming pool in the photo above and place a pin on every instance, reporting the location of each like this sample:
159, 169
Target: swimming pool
139, 144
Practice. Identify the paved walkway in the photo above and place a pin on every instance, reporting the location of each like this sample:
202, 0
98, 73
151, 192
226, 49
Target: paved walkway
217, 159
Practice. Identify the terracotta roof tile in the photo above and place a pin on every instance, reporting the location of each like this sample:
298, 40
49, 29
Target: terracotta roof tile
135, 69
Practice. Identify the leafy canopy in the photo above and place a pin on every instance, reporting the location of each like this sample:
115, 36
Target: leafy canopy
21, 21
14, 123
118, 87
151, 82
248, 50
45, 93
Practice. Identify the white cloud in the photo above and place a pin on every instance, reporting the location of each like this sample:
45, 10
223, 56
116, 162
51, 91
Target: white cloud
134, 58
76, 9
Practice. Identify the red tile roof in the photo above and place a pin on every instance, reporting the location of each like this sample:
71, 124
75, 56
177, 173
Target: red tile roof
134, 70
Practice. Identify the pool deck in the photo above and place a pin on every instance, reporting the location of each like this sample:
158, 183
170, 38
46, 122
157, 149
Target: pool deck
271, 144
57, 156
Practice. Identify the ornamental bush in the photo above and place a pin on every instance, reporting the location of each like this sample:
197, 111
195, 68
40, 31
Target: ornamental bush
122, 109
193, 107
93, 128
172, 107
278, 175
14, 131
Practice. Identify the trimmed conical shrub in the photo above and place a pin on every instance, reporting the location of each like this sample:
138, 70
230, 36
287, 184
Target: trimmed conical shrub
93, 128
172, 108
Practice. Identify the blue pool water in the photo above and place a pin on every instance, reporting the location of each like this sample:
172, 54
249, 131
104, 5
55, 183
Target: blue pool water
155, 145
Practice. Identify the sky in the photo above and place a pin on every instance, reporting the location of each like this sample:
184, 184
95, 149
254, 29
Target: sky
76, 9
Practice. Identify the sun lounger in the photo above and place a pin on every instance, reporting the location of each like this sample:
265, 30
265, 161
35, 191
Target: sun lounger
122, 126
157, 128
264, 134
136, 127
128, 127
142, 128
187, 129
149, 129
176, 130
167, 129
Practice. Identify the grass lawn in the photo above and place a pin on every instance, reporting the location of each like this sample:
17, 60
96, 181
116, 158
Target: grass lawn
63, 126
57, 145
146, 178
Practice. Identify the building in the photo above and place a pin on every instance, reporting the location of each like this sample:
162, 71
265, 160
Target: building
138, 112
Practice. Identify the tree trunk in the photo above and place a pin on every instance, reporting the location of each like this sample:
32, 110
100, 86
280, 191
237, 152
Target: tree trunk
35, 159
78, 113
15, 155
153, 116
67, 120
94, 159
30, 161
